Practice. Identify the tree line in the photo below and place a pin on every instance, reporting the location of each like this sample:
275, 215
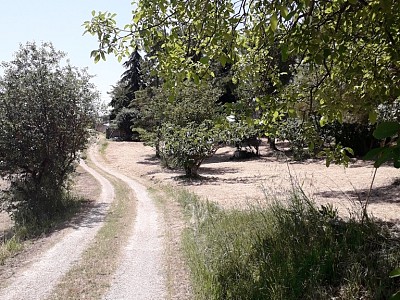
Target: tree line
321, 74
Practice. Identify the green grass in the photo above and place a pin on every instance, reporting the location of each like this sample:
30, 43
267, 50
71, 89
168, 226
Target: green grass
10, 247
13, 241
294, 250
103, 143
32, 227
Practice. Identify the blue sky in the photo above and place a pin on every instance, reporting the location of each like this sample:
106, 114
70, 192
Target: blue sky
60, 22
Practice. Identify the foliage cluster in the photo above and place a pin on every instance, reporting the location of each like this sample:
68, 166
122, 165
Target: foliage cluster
46, 108
293, 251
181, 124
337, 60
125, 114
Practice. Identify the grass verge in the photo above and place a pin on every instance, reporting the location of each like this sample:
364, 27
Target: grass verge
103, 144
294, 250
15, 239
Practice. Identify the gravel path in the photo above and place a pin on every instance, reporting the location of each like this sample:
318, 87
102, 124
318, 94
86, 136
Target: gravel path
38, 280
141, 274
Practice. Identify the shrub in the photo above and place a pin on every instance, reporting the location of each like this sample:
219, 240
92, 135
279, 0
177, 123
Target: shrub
46, 107
187, 146
125, 120
181, 124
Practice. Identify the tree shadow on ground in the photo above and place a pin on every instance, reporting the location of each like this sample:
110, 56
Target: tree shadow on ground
384, 194
213, 180
222, 155
91, 215
194, 181
150, 160
217, 171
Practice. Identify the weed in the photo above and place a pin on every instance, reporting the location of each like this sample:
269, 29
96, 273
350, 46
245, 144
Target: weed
10, 247
292, 250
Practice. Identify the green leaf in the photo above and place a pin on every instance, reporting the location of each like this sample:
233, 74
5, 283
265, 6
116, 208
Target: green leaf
373, 154
386, 129
93, 13
327, 162
284, 11
223, 59
323, 121
274, 22
373, 115
291, 112
97, 58
196, 78
349, 150
275, 115
137, 17
290, 15
386, 155
204, 60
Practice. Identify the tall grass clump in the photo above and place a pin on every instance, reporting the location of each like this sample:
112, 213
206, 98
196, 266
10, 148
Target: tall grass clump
292, 250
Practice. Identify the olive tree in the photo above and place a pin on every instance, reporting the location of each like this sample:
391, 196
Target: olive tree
46, 107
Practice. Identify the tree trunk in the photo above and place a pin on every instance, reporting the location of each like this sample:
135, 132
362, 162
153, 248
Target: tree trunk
192, 170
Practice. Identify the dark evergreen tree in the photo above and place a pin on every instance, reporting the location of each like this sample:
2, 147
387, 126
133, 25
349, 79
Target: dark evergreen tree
132, 77
119, 99
123, 95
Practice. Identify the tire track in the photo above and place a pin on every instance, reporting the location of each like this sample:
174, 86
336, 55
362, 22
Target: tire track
43, 274
140, 274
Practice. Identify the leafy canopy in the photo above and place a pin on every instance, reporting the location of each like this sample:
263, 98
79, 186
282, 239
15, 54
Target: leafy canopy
46, 107
354, 44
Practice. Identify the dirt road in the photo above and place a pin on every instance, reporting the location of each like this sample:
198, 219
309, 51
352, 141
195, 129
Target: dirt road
42, 275
140, 274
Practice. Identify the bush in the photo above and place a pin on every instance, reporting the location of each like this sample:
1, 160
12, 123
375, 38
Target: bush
293, 251
187, 146
46, 107
181, 124
357, 136
125, 120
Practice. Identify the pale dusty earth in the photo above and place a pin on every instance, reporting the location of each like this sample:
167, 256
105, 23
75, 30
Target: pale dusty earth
140, 274
233, 183
143, 262
228, 182
44, 265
